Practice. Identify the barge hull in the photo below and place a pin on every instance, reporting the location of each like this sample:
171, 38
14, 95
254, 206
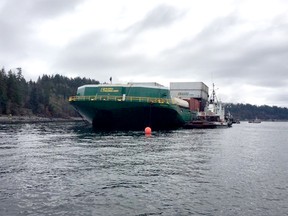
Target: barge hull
119, 115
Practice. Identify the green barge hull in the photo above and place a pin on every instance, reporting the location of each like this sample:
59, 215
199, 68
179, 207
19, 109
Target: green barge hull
126, 107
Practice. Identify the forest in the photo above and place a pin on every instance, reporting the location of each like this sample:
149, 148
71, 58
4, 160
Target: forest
263, 112
48, 97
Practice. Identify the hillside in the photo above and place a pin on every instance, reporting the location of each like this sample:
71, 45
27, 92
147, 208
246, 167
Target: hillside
264, 112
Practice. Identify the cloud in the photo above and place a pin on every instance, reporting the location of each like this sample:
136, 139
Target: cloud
281, 98
161, 16
256, 56
212, 55
98, 54
104, 51
18, 22
245, 53
29, 10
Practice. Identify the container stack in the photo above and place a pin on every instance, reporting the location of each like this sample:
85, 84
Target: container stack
195, 93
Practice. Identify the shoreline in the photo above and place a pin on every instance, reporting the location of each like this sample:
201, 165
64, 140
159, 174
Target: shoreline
35, 119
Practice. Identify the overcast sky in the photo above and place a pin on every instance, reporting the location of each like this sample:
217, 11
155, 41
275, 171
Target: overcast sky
240, 45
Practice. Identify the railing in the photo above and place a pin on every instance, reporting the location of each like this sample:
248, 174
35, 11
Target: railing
120, 98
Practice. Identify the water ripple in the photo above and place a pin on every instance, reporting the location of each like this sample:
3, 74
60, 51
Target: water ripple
69, 169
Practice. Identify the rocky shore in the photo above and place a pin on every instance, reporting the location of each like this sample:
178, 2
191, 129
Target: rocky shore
35, 119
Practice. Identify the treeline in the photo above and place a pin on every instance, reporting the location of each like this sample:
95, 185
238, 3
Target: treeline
47, 97
250, 112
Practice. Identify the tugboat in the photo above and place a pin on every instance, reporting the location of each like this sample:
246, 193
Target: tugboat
256, 120
213, 115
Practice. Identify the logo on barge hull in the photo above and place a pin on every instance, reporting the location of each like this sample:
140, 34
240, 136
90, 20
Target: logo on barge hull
109, 90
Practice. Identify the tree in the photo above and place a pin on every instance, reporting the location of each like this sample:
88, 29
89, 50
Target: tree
3, 91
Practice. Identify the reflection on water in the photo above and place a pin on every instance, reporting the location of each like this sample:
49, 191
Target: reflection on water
70, 169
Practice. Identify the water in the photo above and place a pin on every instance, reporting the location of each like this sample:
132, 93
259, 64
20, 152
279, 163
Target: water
68, 169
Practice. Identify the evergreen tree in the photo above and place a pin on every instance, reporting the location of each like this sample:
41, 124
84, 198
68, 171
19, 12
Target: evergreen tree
3, 91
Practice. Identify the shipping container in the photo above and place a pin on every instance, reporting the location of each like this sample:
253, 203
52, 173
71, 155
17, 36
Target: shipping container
145, 84
194, 104
187, 90
189, 85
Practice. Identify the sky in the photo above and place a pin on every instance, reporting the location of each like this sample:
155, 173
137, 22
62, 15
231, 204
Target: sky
239, 45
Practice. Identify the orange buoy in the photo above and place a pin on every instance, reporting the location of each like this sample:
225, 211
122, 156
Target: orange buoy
148, 130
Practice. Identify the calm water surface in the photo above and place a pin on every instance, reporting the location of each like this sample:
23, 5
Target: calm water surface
69, 169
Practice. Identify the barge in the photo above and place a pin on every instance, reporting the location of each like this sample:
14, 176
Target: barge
131, 106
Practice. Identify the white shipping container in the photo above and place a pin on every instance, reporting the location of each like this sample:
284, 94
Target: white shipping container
188, 86
145, 84
186, 90
189, 94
